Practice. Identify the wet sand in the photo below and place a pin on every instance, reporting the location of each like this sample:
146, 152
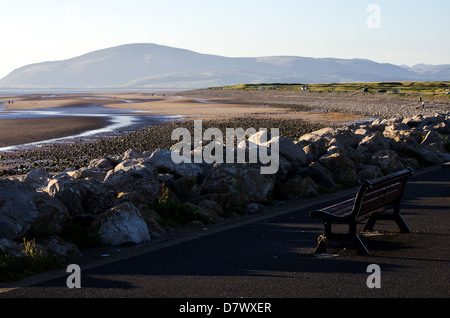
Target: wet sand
23, 131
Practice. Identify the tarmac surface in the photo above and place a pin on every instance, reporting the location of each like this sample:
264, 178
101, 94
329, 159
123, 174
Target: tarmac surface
271, 256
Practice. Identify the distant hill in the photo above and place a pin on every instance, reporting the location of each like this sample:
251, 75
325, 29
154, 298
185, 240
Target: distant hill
156, 66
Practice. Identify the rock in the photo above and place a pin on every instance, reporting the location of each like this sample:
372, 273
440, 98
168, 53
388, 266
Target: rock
413, 121
17, 208
11, 247
162, 160
211, 207
242, 182
442, 128
138, 167
379, 124
101, 164
319, 174
284, 169
186, 188
254, 208
134, 180
88, 173
369, 172
297, 187
167, 178
121, 225
387, 160
315, 150
422, 154
56, 246
131, 154
81, 197
287, 148
53, 216
341, 166
37, 178
319, 136
363, 131
344, 137
373, 143
151, 218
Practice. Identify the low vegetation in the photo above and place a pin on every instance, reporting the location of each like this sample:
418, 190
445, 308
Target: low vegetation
428, 88
32, 262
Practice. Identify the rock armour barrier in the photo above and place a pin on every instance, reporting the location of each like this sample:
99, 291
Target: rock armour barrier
113, 194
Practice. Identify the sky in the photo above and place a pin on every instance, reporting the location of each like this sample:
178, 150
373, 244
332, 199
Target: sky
402, 32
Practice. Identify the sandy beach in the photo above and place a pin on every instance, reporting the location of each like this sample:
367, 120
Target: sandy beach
295, 113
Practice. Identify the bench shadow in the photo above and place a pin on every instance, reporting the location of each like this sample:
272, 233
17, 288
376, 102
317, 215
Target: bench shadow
272, 248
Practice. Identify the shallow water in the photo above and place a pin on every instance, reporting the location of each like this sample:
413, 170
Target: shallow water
119, 119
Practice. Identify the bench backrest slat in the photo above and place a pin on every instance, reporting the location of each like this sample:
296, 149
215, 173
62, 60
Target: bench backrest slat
379, 193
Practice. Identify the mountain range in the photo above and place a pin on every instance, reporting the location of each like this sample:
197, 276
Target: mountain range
152, 66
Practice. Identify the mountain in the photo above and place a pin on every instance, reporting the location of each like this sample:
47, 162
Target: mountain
155, 66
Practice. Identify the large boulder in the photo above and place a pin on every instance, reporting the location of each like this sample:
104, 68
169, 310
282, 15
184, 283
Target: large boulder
81, 197
297, 187
319, 174
56, 246
387, 160
373, 143
341, 166
134, 180
88, 173
243, 183
287, 148
320, 136
104, 164
186, 188
422, 154
369, 172
18, 209
121, 225
53, 216
37, 178
162, 160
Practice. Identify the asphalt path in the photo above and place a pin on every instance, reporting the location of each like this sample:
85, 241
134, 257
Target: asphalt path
271, 256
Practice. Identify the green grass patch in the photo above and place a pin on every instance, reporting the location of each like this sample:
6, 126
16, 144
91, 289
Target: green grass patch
429, 88
175, 214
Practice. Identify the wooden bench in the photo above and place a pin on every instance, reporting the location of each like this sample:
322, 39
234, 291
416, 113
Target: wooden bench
373, 201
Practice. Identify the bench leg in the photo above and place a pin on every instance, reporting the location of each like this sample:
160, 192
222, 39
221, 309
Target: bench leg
370, 223
321, 245
395, 216
404, 228
352, 237
359, 245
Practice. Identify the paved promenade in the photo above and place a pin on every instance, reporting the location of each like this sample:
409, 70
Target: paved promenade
271, 256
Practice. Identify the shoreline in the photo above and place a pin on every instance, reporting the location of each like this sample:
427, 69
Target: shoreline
238, 109
138, 104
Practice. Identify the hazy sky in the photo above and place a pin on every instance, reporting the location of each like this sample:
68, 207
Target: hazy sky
392, 31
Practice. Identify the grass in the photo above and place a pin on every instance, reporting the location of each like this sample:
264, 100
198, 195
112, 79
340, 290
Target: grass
428, 88
174, 214
32, 262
